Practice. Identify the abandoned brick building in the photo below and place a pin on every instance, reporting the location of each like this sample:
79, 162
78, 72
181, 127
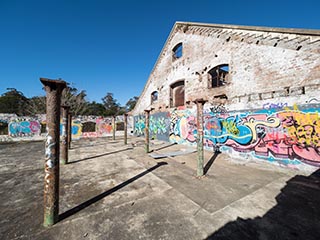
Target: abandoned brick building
261, 87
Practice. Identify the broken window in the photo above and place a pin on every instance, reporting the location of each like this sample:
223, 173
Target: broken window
177, 94
177, 51
218, 76
154, 97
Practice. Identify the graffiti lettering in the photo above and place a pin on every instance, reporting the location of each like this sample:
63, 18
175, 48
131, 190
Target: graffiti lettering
274, 105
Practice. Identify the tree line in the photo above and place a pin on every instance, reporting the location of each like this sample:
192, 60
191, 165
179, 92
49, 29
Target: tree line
14, 101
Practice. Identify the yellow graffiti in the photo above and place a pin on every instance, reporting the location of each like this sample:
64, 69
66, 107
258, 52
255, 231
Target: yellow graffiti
77, 135
253, 123
231, 127
304, 128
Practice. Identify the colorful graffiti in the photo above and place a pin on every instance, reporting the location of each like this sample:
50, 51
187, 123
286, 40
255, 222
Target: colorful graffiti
279, 135
139, 125
160, 126
183, 126
104, 127
24, 128
288, 136
76, 129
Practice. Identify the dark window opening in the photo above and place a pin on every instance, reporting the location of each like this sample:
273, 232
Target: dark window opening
154, 97
177, 51
218, 76
88, 127
177, 94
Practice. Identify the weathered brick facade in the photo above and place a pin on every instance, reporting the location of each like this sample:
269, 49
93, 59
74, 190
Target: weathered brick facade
268, 69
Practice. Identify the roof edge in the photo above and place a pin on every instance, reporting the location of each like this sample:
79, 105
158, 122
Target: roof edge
301, 31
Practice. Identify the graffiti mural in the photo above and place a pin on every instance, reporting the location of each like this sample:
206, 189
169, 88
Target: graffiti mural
280, 134
183, 126
104, 126
23, 128
139, 125
160, 126
288, 136
76, 129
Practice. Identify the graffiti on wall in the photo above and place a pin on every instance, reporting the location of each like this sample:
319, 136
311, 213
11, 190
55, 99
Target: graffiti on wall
76, 129
104, 126
23, 128
160, 126
139, 125
288, 136
183, 126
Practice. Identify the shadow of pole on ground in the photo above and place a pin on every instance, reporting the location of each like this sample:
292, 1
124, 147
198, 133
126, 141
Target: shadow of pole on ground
210, 162
100, 155
95, 199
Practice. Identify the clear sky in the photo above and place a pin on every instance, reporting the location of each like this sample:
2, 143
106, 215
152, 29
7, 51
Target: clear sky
112, 45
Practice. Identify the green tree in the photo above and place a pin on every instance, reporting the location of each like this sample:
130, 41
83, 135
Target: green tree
111, 105
36, 105
131, 103
95, 108
75, 99
13, 101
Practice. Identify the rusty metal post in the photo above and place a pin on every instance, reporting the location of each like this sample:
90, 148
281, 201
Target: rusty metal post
69, 130
147, 143
64, 135
125, 128
51, 179
114, 128
200, 103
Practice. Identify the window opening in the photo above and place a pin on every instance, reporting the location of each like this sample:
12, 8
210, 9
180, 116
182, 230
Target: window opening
177, 51
154, 97
177, 94
218, 76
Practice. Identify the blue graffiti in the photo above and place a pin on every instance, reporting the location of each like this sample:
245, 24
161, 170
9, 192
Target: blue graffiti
219, 130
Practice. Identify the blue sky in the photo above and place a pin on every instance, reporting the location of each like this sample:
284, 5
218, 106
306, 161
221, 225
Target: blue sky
111, 46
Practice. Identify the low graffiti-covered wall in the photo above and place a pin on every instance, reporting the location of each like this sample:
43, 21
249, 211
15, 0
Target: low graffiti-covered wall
14, 127
24, 128
286, 135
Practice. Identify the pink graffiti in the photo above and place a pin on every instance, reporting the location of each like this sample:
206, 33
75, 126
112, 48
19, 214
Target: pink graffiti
296, 138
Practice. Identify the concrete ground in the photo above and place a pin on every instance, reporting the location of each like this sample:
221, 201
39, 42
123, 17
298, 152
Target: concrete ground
115, 191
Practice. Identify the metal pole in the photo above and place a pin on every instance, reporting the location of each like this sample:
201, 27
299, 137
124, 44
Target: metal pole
200, 103
70, 130
125, 128
65, 132
113, 128
147, 143
51, 179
